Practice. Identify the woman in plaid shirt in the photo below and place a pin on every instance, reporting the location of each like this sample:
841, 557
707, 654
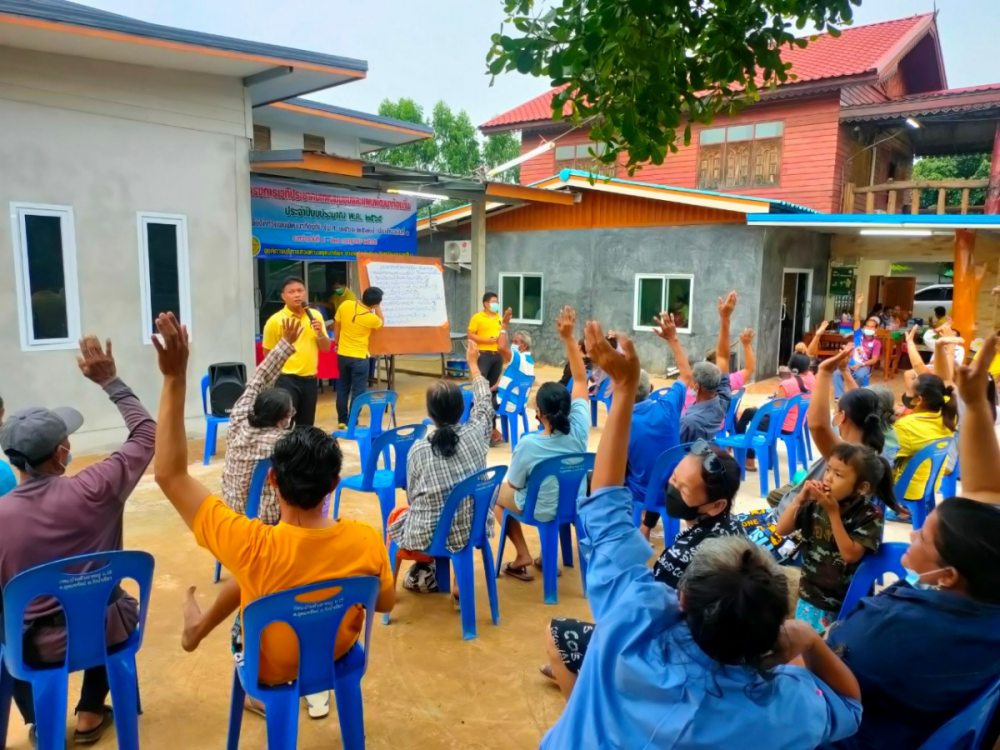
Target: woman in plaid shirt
261, 416
441, 460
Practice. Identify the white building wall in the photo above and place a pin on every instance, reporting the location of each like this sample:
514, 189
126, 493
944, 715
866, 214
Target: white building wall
339, 144
110, 140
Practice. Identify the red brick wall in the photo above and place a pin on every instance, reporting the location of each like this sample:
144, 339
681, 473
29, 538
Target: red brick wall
808, 163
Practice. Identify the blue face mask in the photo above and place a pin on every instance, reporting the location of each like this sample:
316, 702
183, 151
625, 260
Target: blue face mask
494, 307
515, 348
913, 578
868, 332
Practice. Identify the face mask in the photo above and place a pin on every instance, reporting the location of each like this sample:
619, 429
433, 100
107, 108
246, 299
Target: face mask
515, 348
868, 332
338, 292
677, 508
907, 401
494, 307
913, 578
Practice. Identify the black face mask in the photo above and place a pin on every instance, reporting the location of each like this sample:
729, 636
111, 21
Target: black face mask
677, 508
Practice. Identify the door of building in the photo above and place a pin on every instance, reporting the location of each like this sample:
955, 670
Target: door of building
796, 298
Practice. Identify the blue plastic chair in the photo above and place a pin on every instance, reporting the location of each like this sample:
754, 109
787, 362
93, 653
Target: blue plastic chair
482, 487
949, 482
655, 500
795, 444
84, 599
936, 453
570, 471
211, 422
513, 404
601, 396
316, 624
873, 566
257, 480
763, 442
376, 402
966, 730
393, 447
729, 424
468, 397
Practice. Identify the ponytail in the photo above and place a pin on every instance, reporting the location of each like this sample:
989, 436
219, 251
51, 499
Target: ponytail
949, 410
862, 408
553, 402
872, 468
885, 488
936, 396
444, 441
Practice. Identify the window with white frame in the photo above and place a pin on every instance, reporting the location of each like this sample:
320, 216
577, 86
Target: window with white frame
522, 293
45, 271
163, 269
656, 293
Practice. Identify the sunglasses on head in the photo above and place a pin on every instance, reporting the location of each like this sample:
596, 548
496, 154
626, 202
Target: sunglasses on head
711, 464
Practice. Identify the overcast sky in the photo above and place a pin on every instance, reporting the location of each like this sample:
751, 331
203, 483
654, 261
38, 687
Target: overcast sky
436, 49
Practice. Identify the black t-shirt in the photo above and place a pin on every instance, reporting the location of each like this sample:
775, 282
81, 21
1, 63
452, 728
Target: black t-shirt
675, 559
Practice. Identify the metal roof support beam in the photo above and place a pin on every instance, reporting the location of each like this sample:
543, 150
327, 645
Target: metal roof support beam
268, 75
478, 285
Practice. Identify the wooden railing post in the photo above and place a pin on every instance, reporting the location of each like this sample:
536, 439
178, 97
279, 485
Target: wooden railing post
891, 204
940, 203
965, 201
869, 203
915, 201
848, 203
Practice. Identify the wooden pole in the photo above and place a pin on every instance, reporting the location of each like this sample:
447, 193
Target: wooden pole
915, 201
940, 204
870, 203
966, 281
993, 191
965, 201
891, 204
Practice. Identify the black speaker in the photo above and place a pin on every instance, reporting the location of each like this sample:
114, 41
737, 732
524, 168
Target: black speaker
226, 383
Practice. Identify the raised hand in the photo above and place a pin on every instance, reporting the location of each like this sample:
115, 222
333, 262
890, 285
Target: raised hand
727, 305
971, 379
911, 333
172, 352
95, 363
291, 329
822, 327
507, 315
472, 354
623, 369
666, 327
746, 336
834, 363
859, 299
566, 322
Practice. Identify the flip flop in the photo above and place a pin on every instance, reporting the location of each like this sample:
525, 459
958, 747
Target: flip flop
249, 705
520, 574
92, 736
546, 670
319, 705
537, 562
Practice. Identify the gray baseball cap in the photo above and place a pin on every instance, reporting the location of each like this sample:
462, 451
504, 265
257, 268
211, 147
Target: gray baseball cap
35, 433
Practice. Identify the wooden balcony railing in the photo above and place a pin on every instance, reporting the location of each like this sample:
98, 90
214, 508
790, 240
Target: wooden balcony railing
897, 192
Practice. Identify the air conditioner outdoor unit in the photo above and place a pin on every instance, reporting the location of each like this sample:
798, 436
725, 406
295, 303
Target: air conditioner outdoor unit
458, 251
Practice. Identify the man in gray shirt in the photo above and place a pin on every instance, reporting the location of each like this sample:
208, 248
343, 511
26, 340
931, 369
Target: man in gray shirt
50, 516
705, 416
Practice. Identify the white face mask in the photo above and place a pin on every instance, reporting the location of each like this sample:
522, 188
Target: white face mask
515, 348
868, 332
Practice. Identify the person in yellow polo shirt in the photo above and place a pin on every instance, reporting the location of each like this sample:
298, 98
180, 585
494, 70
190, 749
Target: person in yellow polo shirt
353, 326
484, 330
298, 375
341, 294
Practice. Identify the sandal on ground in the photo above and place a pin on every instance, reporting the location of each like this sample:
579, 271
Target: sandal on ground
92, 736
520, 574
537, 562
319, 704
546, 670
250, 705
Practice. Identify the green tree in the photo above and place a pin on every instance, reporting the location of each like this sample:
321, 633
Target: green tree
499, 149
634, 70
960, 167
419, 155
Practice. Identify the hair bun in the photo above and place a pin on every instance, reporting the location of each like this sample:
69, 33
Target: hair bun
873, 417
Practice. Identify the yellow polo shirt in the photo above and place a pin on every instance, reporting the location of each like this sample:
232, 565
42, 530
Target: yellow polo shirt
356, 325
994, 365
305, 361
916, 431
336, 300
486, 325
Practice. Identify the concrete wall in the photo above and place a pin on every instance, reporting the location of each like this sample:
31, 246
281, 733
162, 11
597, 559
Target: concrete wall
594, 270
788, 248
110, 140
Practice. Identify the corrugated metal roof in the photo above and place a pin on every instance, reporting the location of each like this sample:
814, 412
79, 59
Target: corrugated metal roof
857, 51
62, 11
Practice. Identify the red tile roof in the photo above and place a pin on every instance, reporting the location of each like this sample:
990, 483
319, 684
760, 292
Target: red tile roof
858, 50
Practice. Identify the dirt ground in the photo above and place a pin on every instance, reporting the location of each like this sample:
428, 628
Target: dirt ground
425, 686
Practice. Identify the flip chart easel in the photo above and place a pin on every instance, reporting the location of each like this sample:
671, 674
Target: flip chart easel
413, 290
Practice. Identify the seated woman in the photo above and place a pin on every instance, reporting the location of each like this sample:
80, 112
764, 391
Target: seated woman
796, 378
933, 417
702, 667
565, 420
938, 630
435, 465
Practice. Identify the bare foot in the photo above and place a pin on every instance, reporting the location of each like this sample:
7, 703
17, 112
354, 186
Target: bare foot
190, 637
496, 437
644, 530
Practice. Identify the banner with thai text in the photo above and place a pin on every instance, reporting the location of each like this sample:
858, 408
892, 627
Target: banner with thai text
304, 221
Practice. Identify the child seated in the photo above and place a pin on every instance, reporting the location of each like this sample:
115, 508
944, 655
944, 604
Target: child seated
839, 521
304, 547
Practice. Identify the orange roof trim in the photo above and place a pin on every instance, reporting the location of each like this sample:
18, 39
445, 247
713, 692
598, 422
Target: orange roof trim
345, 118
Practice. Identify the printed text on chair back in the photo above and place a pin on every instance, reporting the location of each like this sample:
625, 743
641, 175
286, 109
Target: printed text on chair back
315, 613
570, 471
83, 586
482, 488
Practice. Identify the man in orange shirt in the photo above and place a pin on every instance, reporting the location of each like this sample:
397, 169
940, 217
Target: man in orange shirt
304, 547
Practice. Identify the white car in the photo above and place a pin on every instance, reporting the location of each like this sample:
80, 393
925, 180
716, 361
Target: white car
926, 299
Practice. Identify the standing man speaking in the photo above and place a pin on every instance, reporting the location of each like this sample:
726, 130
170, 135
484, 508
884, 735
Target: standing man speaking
353, 326
298, 375
484, 331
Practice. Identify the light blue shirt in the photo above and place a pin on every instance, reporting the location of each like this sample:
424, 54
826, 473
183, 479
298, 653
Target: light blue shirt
7, 479
646, 684
655, 428
533, 449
